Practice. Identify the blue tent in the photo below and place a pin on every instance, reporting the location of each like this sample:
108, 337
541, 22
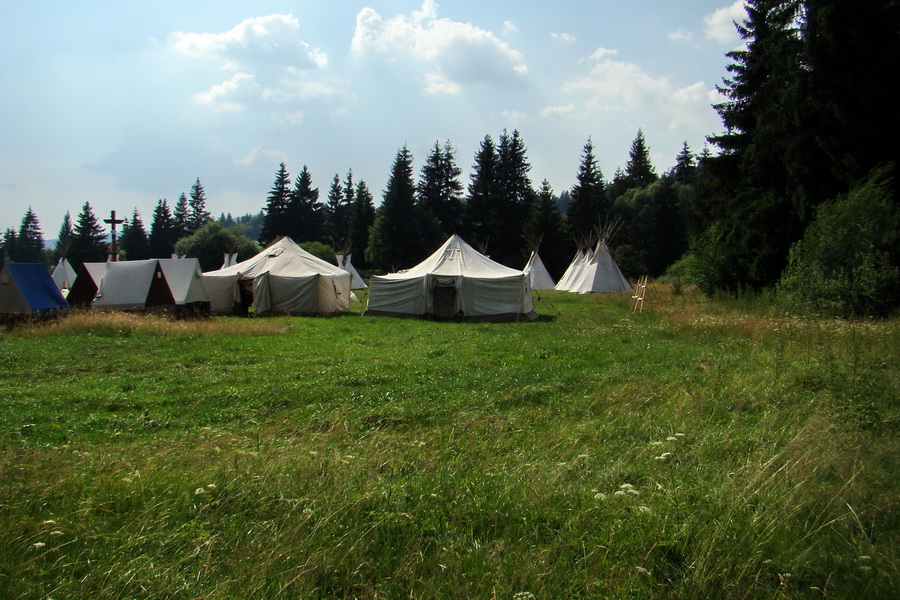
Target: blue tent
27, 289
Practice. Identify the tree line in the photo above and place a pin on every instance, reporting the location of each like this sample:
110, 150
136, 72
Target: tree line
808, 144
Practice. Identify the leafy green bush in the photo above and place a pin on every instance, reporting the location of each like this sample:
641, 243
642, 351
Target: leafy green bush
209, 243
848, 262
320, 250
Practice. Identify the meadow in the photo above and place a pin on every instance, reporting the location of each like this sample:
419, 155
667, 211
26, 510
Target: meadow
699, 449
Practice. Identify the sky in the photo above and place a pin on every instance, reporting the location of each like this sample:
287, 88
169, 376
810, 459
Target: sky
120, 103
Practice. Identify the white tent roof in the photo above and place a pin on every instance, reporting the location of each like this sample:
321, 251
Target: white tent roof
185, 279
343, 261
127, 285
455, 280
285, 279
537, 273
63, 274
596, 271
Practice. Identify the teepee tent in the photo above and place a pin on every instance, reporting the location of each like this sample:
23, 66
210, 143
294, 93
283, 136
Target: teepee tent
26, 289
596, 273
86, 285
282, 279
133, 285
571, 271
356, 282
455, 281
64, 275
538, 276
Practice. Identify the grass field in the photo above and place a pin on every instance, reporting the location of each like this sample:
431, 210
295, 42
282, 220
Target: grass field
701, 449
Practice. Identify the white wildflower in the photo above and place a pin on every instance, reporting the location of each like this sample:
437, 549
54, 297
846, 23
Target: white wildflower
645, 509
56, 532
600, 496
679, 435
671, 438
199, 492
210, 486
642, 570
619, 493
49, 522
625, 486
38, 545
633, 492
663, 456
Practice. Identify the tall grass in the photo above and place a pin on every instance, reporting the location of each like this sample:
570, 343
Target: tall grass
693, 451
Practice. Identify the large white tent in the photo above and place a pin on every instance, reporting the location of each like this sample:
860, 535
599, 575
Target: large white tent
455, 281
133, 285
86, 285
593, 272
185, 279
356, 282
538, 276
282, 279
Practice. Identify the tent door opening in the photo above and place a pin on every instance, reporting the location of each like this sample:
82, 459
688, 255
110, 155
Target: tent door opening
444, 300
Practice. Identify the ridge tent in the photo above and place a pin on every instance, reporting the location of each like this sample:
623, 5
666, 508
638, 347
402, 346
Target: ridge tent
86, 285
26, 289
64, 275
455, 281
133, 285
185, 279
596, 272
538, 276
356, 282
282, 279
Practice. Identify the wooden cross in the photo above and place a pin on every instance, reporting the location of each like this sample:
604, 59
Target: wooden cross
113, 221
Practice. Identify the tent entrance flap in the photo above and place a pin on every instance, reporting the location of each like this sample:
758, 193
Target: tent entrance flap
443, 297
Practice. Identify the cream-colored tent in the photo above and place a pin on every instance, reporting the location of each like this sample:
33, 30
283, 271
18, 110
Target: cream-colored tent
454, 282
538, 276
133, 285
594, 272
64, 275
282, 279
343, 261
185, 279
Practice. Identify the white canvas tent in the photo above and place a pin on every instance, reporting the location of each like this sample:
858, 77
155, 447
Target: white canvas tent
133, 285
64, 275
538, 276
282, 279
356, 282
455, 281
185, 279
594, 272
86, 285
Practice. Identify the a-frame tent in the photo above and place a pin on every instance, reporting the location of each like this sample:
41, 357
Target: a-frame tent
282, 279
26, 290
185, 279
64, 275
456, 281
86, 285
356, 282
538, 275
133, 285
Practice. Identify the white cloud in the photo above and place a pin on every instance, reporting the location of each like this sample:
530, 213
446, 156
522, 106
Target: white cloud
230, 95
601, 53
563, 111
509, 27
565, 38
453, 56
258, 154
680, 36
719, 25
261, 41
515, 117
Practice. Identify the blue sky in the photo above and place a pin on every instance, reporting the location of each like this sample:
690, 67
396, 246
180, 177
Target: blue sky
121, 103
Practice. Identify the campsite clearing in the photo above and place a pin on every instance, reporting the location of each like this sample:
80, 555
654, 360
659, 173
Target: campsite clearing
696, 450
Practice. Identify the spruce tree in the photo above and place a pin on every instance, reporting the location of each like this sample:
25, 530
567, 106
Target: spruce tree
685, 169
513, 204
276, 222
545, 227
88, 239
639, 170
30, 241
362, 216
484, 191
394, 243
134, 242
333, 211
8, 246
181, 218
588, 207
63, 238
163, 234
439, 190
304, 210
198, 216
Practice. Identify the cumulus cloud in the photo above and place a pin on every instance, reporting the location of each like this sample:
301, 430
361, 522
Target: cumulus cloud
680, 36
566, 38
617, 87
451, 56
719, 25
272, 41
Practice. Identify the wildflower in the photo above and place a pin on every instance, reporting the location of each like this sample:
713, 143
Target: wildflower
49, 522
600, 496
656, 443
633, 492
663, 456
56, 532
625, 486
619, 493
642, 570
199, 491
38, 545
645, 509
679, 435
671, 438
523, 596
210, 486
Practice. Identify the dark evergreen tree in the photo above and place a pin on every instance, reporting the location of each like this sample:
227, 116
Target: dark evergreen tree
545, 227
276, 223
588, 208
88, 239
685, 169
484, 191
163, 232
440, 191
134, 242
304, 210
362, 217
181, 218
513, 204
63, 238
198, 216
639, 171
394, 242
30, 241
8, 246
334, 213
